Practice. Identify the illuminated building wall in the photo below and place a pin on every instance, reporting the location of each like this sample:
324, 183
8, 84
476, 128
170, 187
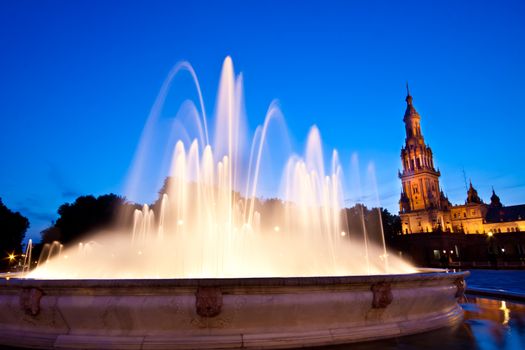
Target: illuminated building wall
423, 207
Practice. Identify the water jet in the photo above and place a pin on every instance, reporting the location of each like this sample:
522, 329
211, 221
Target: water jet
211, 265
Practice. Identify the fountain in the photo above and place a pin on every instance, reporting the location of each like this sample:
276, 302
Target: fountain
209, 264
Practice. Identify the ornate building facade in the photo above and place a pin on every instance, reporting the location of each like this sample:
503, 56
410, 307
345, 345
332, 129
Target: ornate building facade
423, 207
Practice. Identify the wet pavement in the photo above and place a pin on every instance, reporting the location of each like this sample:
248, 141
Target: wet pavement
502, 280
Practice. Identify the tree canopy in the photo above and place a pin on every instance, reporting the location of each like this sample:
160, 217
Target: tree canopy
86, 214
13, 227
359, 216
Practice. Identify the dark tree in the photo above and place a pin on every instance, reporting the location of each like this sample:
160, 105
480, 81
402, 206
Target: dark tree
164, 189
391, 225
13, 227
355, 217
85, 215
359, 214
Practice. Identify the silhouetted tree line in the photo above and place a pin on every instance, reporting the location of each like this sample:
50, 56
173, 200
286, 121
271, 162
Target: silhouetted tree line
355, 217
13, 227
360, 218
88, 214
85, 215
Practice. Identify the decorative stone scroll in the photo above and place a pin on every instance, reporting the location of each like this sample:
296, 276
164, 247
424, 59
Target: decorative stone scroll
208, 301
30, 300
382, 295
461, 286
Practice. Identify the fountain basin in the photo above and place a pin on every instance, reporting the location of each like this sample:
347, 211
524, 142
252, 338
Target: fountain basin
225, 313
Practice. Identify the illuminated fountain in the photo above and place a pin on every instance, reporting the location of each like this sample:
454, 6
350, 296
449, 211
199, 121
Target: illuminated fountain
209, 264
208, 223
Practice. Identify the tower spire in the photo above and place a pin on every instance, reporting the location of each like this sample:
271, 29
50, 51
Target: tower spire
409, 97
495, 202
420, 180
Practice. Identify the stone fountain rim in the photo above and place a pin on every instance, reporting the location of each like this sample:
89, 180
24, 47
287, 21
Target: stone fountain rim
423, 275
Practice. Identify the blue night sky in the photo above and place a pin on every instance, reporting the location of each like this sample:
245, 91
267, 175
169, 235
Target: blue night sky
78, 78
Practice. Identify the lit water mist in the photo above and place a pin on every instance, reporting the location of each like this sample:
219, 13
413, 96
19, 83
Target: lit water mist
208, 221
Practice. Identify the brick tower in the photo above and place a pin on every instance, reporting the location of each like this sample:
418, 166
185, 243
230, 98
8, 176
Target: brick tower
422, 204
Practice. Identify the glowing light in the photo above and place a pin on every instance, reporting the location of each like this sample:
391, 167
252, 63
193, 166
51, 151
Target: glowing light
11, 257
489, 234
451, 252
503, 250
444, 251
506, 313
139, 252
277, 229
180, 222
343, 233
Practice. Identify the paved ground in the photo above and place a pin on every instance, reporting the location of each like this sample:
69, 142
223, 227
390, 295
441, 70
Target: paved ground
504, 280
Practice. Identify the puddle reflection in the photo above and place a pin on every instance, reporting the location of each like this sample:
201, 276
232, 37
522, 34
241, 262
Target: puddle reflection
495, 324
